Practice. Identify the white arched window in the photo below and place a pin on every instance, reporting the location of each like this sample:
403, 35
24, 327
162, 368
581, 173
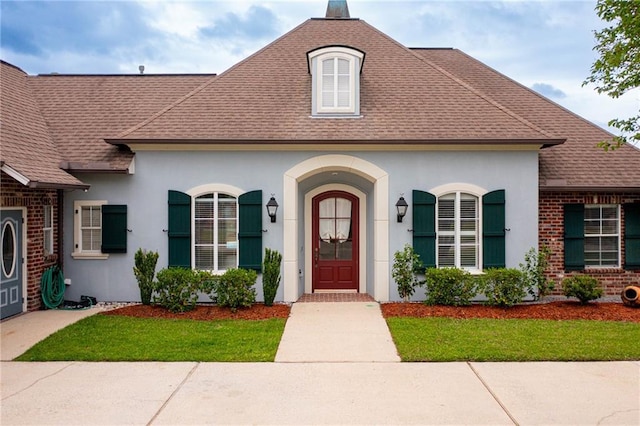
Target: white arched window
335, 75
458, 231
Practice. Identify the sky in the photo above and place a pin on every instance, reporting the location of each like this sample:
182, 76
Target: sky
544, 45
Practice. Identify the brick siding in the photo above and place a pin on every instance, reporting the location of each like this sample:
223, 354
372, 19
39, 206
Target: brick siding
14, 194
551, 234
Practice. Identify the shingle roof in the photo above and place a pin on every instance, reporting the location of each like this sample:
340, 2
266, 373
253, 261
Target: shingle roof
578, 163
27, 148
267, 97
83, 110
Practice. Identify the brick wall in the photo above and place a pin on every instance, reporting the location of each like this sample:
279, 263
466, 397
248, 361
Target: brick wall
551, 232
14, 194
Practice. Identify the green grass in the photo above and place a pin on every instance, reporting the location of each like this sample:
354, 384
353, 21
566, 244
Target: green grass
119, 338
447, 339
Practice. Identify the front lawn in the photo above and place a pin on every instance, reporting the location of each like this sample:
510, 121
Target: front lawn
121, 338
449, 339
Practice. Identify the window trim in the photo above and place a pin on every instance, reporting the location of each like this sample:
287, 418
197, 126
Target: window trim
618, 235
78, 253
47, 228
315, 59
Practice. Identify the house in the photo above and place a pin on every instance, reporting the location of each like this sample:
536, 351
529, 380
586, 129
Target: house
338, 123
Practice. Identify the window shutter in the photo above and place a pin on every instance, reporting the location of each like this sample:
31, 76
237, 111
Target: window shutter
179, 229
632, 236
250, 230
424, 227
114, 228
493, 229
574, 237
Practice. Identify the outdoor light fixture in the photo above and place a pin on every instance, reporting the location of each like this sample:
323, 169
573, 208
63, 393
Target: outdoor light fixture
402, 206
272, 208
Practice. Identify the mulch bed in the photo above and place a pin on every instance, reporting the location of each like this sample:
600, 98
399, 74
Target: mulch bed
205, 312
562, 310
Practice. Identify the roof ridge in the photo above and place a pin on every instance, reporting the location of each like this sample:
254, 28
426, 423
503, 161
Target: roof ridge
206, 84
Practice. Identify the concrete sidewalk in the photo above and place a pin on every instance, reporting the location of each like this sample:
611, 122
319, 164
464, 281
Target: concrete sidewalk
371, 388
74, 393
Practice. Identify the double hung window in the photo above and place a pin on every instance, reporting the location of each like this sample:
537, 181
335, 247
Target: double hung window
216, 232
458, 231
601, 236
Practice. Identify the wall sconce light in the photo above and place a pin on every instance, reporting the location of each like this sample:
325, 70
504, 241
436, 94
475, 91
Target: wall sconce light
401, 206
272, 208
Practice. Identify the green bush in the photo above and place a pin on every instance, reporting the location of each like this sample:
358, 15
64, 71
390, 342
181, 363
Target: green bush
145, 271
449, 286
406, 266
177, 288
533, 269
235, 288
584, 287
503, 286
270, 275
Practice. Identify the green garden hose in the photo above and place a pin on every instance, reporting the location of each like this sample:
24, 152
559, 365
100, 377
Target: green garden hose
52, 287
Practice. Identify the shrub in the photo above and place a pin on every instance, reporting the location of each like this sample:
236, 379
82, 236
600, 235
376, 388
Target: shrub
145, 271
584, 287
270, 275
177, 288
503, 286
533, 270
235, 288
406, 266
449, 286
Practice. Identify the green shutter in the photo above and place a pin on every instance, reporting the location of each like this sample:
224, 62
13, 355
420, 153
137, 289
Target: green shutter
632, 236
250, 230
493, 229
424, 227
574, 237
114, 228
179, 230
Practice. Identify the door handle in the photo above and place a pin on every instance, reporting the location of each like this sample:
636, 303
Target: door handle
315, 257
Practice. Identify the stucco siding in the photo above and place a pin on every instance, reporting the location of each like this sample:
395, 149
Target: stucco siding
145, 194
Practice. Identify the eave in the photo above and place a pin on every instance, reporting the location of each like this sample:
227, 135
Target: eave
34, 184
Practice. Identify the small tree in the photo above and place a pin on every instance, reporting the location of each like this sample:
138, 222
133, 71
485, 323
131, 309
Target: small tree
533, 269
145, 271
270, 275
406, 267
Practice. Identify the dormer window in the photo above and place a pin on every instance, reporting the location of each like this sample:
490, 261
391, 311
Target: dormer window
335, 81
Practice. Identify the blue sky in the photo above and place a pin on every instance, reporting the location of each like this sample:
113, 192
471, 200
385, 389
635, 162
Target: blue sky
545, 45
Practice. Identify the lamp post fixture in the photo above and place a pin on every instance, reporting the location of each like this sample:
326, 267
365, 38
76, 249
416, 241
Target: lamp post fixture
272, 208
401, 206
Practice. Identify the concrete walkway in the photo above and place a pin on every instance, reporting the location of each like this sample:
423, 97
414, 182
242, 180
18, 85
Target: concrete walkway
336, 332
304, 392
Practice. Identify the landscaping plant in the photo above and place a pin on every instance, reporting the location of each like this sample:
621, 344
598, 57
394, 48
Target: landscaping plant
503, 286
145, 271
235, 288
270, 275
406, 267
177, 288
449, 286
584, 287
533, 269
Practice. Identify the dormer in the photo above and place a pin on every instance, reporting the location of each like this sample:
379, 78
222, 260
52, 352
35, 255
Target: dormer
335, 81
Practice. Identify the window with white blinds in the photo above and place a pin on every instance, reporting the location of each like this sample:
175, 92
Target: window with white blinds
216, 232
458, 231
336, 83
602, 235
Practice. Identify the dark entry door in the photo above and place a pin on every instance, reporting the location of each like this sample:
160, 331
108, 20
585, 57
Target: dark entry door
335, 241
10, 262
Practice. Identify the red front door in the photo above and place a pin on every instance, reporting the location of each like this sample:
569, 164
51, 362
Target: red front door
335, 241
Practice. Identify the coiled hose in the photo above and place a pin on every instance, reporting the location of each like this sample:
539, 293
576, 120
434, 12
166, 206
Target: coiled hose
52, 287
